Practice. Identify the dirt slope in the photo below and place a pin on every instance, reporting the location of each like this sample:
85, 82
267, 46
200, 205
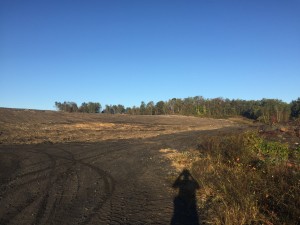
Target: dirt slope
61, 168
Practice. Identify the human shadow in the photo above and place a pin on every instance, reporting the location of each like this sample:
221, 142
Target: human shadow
185, 203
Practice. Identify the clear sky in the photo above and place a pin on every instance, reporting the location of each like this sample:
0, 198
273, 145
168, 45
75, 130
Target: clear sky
125, 52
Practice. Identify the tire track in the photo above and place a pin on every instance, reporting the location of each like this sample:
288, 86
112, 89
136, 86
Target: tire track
58, 200
109, 183
109, 187
103, 175
52, 167
59, 197
66, 176
19, 209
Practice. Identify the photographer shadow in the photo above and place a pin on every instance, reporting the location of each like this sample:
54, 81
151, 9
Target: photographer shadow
185, 203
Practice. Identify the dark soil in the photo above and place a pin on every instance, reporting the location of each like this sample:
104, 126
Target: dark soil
94, 169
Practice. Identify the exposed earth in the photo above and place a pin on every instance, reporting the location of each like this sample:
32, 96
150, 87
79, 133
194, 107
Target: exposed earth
64, 168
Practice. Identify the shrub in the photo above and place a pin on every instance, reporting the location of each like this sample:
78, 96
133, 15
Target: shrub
271, 151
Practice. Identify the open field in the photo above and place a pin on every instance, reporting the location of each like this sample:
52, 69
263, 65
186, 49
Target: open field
62, 168
32, 127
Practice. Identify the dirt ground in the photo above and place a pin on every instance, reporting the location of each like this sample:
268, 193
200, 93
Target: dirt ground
62, 168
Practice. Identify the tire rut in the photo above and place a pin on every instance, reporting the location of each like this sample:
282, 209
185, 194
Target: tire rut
11, 215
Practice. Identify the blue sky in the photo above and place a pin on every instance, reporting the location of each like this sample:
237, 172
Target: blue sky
125, 52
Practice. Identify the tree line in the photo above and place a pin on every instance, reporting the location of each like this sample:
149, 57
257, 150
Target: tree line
266, 110
90, 107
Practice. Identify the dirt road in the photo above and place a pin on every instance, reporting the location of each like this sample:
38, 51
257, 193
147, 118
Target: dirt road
106, 176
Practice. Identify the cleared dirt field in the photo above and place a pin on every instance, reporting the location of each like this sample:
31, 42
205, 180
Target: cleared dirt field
62, 168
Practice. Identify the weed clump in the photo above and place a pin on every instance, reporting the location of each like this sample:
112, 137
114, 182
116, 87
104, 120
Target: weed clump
246, 179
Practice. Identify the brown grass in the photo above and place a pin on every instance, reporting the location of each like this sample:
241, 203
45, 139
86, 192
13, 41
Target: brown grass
33, 133
180, 160
241, 185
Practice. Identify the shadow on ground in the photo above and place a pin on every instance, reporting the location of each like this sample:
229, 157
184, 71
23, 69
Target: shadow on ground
185, 203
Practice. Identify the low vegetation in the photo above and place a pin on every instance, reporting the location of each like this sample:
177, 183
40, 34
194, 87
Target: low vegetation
246, 179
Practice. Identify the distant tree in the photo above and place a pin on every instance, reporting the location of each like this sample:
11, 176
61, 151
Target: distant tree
90, 107
199, 105
94, 107
188, 106
178, 105
84, 108
58, 106
119, 109
109, 109
272, 111
295, 108
133, 111
116, 109
170, 106
282, 111
266, 110
160, 108
66, 106
128, 110
136, 110
143, 108
150, 108
73, 107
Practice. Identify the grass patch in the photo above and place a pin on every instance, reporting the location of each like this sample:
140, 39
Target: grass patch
246, 179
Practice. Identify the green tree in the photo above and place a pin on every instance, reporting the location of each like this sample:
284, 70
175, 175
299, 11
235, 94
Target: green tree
160, 108
295, 108
150, 108
90, 107
66, 106
120, 109
143, 108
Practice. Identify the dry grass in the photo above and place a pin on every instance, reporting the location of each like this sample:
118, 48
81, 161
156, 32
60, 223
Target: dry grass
180, 160
242, 183
33, 133
90, 125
